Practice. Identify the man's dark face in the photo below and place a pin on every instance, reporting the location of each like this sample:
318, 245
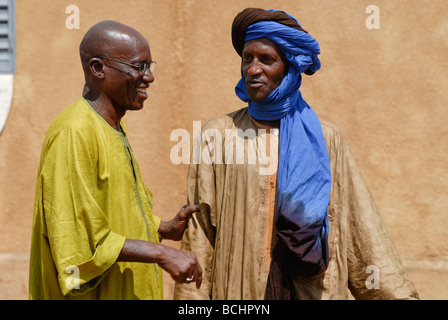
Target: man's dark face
263, 66
123, 84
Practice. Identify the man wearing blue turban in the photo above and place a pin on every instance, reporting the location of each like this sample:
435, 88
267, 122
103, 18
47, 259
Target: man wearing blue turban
310, 230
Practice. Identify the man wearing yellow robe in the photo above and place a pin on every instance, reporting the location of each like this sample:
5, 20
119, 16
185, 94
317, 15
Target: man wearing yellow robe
94, 234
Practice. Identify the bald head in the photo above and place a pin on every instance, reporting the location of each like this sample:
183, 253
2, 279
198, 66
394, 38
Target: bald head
111, 55
109, 38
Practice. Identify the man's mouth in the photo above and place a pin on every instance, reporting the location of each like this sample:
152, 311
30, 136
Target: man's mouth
142, 91
254, 84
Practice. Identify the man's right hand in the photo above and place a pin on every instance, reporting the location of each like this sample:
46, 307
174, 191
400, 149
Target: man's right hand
183, 266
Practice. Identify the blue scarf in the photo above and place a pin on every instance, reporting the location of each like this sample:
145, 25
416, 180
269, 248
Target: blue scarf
304, 177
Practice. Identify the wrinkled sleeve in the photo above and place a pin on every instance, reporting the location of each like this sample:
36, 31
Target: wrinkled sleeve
81, 242
149, 197
374, 267
199, 237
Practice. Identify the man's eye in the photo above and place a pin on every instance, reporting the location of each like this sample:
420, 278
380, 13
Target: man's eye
267, 60
247, 59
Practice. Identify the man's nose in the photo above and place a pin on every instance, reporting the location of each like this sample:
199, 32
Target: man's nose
148, 76
255, 68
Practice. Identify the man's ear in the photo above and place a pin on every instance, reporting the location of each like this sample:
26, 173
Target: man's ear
96, 67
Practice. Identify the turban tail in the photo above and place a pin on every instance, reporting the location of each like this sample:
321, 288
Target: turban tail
304, 176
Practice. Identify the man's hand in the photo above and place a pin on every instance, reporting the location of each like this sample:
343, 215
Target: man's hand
183, 266
174, 228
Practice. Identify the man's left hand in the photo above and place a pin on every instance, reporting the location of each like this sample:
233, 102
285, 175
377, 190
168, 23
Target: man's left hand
174, 228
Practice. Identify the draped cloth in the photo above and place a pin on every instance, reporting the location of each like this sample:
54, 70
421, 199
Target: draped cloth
304, 177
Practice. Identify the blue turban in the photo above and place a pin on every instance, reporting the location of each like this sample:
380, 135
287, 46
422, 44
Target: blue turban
304, 176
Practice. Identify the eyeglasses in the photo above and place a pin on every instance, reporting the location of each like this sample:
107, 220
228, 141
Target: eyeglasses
141, 68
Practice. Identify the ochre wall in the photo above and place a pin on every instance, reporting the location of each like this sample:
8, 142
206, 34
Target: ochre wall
386, 89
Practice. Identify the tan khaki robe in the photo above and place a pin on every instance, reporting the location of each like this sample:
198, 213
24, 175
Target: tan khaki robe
233, 234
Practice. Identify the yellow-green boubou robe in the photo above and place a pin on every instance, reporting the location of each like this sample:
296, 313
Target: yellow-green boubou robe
234, 233
90, 197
